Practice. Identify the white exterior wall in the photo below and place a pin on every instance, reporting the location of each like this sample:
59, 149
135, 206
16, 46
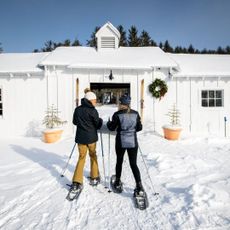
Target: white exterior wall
155, 110
25, 99
24, 104
186, 93
62, 88
195, 118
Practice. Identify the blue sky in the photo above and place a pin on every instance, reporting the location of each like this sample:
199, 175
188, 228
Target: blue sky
27, 24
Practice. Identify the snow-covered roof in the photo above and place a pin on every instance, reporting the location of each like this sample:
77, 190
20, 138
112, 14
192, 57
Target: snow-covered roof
20, 62
199, 65
121, 58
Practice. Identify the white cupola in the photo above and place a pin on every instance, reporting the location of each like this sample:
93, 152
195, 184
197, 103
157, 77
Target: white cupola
108, 37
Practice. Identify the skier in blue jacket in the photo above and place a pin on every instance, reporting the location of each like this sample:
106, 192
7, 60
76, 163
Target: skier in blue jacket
126, 122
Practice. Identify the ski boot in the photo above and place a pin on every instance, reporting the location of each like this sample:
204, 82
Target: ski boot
140, 197
95, 181
75, 191
116, 184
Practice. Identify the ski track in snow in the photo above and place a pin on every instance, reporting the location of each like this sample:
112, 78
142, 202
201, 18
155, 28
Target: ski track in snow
189, 185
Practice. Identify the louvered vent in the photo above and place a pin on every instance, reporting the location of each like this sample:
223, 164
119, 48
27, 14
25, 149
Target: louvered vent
108, 42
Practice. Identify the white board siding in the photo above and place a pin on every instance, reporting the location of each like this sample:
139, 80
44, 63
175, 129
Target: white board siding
24, 106
204, 120
26, 98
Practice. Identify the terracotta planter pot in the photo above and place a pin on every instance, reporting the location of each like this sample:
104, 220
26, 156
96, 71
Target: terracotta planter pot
52, 135
172, 134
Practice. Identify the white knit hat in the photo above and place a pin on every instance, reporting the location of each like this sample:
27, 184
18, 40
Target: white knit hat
90, 96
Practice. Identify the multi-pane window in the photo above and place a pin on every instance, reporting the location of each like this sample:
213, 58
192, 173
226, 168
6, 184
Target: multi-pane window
212, 98
1, 108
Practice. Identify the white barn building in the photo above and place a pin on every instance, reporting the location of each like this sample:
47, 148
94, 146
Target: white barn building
198, 84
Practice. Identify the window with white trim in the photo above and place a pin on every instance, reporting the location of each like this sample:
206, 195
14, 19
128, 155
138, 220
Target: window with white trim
212, 98
1, 106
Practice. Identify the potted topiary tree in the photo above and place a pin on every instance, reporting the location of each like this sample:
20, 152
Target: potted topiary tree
53, 124
173, 130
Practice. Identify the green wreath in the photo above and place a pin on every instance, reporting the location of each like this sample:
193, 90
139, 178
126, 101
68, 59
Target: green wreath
158, 88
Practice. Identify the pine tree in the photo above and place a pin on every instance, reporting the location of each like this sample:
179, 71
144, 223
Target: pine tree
123, 38
167, 48
52, 120
191, 50
145, 39
178, 49
133, 39
204, 51
220, 50
174, 115
161, 45
1, 49
227, 49
76, 42
184, 50
49, 46
153, 43
67, 42
93, 41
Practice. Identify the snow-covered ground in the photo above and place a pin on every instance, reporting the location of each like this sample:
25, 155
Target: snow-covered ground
192, 177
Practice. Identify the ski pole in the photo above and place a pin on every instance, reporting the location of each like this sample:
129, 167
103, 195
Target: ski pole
109, 161
103, 160
155, 193
63, 171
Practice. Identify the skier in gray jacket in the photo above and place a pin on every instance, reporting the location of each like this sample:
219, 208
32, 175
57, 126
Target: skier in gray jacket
126, 122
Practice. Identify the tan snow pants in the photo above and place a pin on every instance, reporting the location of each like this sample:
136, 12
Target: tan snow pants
94, 172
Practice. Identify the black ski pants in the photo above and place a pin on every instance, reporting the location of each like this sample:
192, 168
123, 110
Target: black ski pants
132, 153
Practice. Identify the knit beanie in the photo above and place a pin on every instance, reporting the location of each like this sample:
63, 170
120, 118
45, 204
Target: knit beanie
125, 99
90, 96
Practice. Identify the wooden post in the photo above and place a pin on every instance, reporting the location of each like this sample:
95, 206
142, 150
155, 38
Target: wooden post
77, 92
142, 99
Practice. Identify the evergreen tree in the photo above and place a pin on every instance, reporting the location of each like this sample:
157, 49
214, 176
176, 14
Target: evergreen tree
153, 43
123, 38
178, 49
76, 42
93, 41
67, 42
1, 49
49, 46
220, 50
191, 50
184, 50
161, 45
212, 51
167, 48
227, 49
145, 39
133, 39
204, 51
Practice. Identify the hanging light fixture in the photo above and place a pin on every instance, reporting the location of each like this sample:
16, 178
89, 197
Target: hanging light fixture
111, 75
